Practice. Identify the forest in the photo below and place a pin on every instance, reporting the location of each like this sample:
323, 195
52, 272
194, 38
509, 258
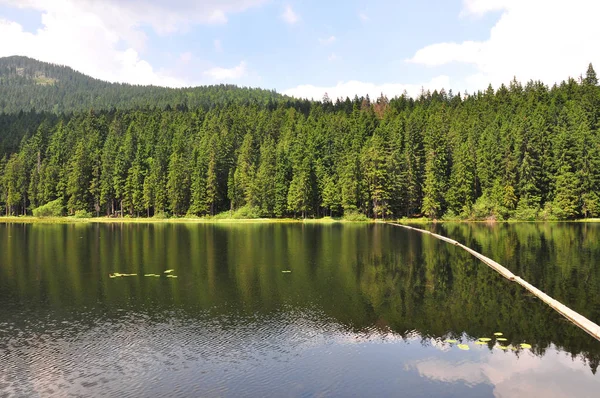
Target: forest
522, 151
30, 85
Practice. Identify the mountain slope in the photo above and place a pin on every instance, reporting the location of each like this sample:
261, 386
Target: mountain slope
27, 84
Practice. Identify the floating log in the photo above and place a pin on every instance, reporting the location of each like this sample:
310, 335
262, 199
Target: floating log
579, 320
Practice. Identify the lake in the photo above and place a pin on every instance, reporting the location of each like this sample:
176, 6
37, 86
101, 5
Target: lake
365, 311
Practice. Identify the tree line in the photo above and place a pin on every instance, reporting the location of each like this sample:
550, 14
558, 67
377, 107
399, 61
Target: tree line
521, 151
30, 85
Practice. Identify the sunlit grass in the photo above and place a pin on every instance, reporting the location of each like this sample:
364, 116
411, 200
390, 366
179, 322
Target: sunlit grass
198, 220
220, 220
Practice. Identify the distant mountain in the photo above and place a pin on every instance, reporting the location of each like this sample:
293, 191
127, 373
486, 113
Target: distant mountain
28, 84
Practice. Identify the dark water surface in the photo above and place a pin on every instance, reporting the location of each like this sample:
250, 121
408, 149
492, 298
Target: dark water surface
364, 312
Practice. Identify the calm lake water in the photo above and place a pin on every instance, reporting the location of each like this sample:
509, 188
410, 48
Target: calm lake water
365, 311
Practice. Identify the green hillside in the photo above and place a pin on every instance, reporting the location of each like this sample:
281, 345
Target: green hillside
27, 84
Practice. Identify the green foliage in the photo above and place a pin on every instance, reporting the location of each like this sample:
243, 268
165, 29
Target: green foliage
82, 214
355, 216
27, 84
50, 209
524, 152
160, 215
246, 212
526, 212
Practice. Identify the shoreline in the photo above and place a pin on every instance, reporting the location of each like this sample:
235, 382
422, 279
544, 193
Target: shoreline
209, 220
182, 220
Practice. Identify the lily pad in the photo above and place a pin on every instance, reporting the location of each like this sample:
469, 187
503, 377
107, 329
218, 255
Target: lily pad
112, 276
481, 342
463, 347
525, 345
169, 271
484, 339
503, 347
286, 271
501, 339
498, 334
451, 341
117, 274
171, 276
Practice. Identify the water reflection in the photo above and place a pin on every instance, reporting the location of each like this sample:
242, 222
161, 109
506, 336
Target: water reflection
364, 311
554, 374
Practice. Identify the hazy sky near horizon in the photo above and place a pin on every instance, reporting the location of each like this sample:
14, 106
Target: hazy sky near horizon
307, 48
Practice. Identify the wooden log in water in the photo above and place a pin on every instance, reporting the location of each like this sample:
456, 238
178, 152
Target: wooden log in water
588, 326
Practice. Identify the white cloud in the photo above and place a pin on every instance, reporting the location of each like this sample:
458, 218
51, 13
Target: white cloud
333, 57
559, 375
217, 17
163, 16
91, 49
289, 16
106, 39
443, 53
226, 74
185, 57
353, 87
363, 17
547, 40
327, 41
218, 45
481, 7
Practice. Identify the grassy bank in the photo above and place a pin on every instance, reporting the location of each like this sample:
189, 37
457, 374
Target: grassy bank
221, 220
205, 220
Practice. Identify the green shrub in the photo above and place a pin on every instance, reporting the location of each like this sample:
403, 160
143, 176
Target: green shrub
526, 213
82, 214
247, 212
50, 209
450, 215
486, 208
355, 216
161, 215
548, 213
223, 215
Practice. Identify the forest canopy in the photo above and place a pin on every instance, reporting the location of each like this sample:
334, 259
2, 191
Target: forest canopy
522, 151
30, 85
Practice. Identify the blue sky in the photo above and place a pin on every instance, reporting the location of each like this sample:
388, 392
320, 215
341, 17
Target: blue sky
307, 48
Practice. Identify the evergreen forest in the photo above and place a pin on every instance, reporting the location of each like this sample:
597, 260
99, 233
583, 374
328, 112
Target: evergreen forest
73, 145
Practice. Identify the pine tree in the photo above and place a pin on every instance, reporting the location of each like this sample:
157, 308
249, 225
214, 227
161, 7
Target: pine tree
414, 161
376, 175
245, 174
79, 175
300, 192
14, 184
436, 167
108, 157
212, 184
283, 177
266, 178
590, 76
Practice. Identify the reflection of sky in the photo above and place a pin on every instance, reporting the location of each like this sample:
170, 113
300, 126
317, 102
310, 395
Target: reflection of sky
289, 353
555, 374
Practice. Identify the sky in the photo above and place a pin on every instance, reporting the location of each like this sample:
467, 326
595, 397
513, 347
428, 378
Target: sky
309, 48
